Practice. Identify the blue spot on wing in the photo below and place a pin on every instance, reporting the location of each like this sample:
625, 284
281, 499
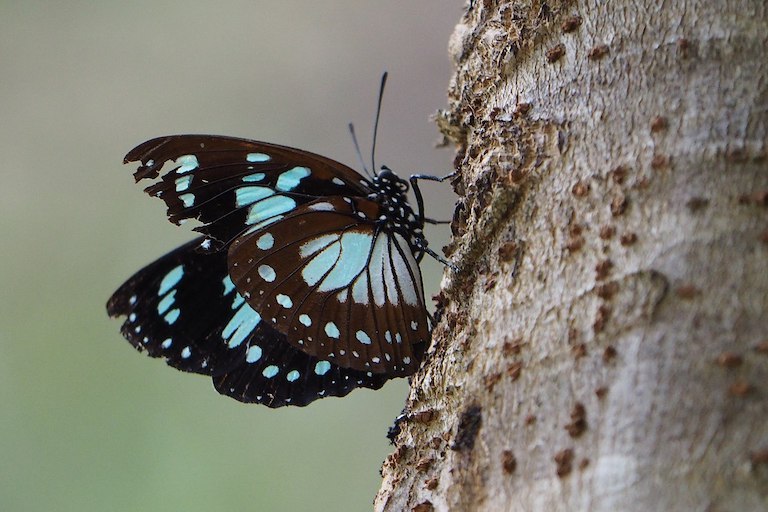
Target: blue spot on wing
171, 279
290, 179
240, 326
269, 207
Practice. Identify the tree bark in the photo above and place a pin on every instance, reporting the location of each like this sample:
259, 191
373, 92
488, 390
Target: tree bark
604, 345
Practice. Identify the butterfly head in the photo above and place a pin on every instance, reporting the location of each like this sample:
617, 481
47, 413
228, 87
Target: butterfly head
389, 189
387, 180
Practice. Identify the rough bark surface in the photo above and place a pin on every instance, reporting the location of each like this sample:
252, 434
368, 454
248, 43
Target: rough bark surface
604, 345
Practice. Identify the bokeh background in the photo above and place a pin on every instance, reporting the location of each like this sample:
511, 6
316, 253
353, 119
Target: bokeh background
86, 423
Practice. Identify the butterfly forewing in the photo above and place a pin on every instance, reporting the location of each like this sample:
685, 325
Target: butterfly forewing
232, 184
185, 308
340, 286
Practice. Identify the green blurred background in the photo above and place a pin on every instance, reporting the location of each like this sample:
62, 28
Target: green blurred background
86, 422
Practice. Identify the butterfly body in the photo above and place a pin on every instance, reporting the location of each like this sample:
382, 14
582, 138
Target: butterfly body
304, 284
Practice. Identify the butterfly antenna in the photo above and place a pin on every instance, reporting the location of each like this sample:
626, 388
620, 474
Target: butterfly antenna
376, 122
357, 150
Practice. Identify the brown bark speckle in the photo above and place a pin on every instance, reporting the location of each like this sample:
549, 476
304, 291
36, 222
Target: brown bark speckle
424, 464
659, 161
619, 174
759, 457
555, 53
659, 123
687, 291
508, 461
571, 23
424, 506
514, 370
619, 205
598, 52
740, 388
607, 290
580, 189
603, 269
628, 239
578, 423
564, 462
696, 204
729, 360
579, 350
607, 232
609, 354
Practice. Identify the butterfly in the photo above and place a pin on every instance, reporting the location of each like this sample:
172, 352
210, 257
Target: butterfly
304, 284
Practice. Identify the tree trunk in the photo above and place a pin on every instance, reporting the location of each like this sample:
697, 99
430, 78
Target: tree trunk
604, 345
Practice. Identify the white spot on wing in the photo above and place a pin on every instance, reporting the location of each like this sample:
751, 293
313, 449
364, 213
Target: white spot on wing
253, 354
290, 179
322, 207
166, 303
255, 177
186, 163
228, 285
182, 183
267, 273
188, 200
240, 326
265, 241
172, 316
406, 270
270, 371
354, 249
376, 270
268, 208
249, 195
331, 330
321, 264
284, 300
257, 157
316, 244
363, 338
322, 367
171, 279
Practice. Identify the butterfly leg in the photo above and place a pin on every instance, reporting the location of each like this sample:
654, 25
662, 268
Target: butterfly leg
435, 222
414, 179
422, 244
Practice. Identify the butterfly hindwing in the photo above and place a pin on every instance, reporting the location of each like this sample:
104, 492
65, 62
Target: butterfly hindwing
231, 184
338, 284
184, 308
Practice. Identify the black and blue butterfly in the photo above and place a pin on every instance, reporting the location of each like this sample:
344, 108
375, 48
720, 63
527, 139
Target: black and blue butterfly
305, 283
